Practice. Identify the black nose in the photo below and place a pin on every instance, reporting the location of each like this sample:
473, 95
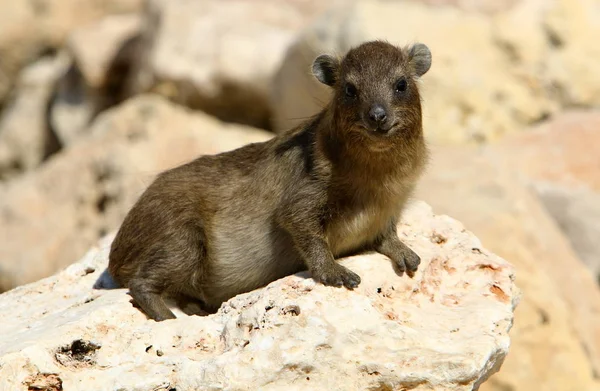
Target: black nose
377, 114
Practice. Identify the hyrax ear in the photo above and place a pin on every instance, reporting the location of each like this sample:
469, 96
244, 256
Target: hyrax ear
420, 58
325, 69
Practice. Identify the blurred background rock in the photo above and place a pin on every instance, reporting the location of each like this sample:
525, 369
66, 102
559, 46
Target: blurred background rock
98, 96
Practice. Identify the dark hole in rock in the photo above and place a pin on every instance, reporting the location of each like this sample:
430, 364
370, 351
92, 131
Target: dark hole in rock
102, 203
79, 353
293, 310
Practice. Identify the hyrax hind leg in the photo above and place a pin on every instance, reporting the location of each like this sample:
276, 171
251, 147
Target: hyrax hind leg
149, 298
175, 265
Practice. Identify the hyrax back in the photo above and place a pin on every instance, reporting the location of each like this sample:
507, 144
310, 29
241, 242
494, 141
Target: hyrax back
229, 223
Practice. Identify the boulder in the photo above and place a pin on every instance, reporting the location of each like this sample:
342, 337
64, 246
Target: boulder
103, 54
50, 217
556, 335
31, 28
445, 329
483, 6
560, 160
491, 74
219, 56
26, 140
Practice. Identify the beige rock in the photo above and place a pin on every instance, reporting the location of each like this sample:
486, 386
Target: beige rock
484, 6
560, 159
49, 218
220, 56
491, 75
103, 54
555, 337
577, 213
29, 28
25, 138
95, 46
561, 151
573, 28
445, 329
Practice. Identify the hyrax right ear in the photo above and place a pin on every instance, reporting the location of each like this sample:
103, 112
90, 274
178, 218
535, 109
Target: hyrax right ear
325, 69
420, 58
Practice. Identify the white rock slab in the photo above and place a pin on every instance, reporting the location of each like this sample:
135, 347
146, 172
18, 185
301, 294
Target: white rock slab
445, 329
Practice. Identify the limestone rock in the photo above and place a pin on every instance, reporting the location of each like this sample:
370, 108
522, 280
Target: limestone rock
220, 56
95, 46
444, 329
491, 74
483, 6
555, 342
560, 159
25, 138
50, 217
30, 28
573, 28
562, 150
577, 213
103, 54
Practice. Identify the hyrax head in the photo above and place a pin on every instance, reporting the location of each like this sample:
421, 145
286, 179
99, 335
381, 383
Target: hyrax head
375, 87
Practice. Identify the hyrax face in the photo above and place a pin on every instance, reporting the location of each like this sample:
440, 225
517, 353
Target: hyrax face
375, 88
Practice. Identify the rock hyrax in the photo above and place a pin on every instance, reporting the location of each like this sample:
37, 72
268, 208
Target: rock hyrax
229, 223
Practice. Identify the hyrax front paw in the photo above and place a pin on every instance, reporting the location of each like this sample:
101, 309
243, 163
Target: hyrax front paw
407, 261
337, 275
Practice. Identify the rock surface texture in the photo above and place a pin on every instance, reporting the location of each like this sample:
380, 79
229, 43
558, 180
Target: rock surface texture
444, 329
49, 218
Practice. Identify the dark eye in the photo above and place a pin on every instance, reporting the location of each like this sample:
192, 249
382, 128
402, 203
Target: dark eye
350, 90
401, 85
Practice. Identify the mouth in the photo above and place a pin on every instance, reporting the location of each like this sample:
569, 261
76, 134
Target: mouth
384, 130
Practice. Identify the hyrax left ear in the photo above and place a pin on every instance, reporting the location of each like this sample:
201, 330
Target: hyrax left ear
420, 58
325, 69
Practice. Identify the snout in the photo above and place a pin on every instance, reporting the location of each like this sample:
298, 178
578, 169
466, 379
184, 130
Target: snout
377, 119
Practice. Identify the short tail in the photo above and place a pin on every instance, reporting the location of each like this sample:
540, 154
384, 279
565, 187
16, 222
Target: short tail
106, 281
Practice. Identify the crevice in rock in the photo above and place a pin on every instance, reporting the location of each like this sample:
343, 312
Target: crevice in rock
80, 353
509, 51
116, 87
52, 144
40, 7
555, 41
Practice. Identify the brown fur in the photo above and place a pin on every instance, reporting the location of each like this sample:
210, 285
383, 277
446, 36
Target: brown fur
229, 223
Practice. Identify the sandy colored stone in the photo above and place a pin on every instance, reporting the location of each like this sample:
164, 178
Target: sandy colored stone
483, 6
491, 74
29, 28
25, 138
102, 54
49, 218
577, 213
555, 339
445, 329
563, 150
95, 46
560, 159
220, 56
